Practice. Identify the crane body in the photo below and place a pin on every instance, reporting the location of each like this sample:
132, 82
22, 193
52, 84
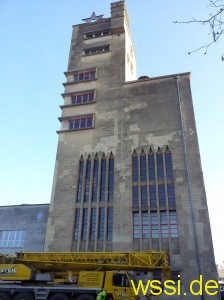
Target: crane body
75, 275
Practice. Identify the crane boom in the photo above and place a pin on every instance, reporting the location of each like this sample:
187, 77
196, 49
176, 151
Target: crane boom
75, 261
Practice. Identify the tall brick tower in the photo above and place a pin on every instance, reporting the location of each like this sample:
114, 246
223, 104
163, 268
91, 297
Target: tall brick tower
128, 173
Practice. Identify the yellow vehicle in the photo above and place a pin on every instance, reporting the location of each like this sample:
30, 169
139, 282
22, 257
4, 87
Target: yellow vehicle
75, 275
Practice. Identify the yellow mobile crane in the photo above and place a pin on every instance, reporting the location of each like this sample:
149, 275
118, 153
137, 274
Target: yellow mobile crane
75, 275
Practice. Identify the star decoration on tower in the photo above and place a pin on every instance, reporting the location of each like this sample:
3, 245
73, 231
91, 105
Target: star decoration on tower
93, 18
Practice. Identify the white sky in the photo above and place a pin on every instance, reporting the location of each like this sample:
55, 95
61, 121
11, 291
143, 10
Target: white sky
35, 40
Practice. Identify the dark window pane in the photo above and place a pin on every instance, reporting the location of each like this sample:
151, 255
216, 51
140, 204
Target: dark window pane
152, 193
84, 223
101, 223
151, 162
76, 77
169, 169
111, 179
95, 180
144, 198
92, 74
103, 180
171, 195
76, 126
162, 195
74, 99
135, 168
89, 122
143, 167
85, 98
83, 123
79, 99
70, 124
79, 193
160, 171
109, 223
93, 224
81, 76
135, 196
77, 218
136, 225
91, 96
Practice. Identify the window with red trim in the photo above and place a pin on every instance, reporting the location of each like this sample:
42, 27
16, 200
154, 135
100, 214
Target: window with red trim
80, 123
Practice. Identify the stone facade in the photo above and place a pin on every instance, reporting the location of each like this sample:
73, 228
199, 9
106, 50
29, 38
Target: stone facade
122, 117
23, 228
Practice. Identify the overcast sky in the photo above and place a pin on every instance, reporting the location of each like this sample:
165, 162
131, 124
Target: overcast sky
35, 40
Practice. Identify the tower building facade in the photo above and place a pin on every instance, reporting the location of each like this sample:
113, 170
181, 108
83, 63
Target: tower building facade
128, 174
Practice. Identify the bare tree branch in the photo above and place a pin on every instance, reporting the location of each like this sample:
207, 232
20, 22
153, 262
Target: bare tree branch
215, 23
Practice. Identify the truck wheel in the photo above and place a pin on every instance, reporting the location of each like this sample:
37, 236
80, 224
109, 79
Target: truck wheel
4, 296
23, 296
59, 297
85, 297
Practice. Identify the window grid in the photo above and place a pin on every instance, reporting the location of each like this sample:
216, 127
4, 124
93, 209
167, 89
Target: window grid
95, 180
83, 76
77, 218
109, 223
93, 224
136, 225
111, 179
101, 223
87, 185
97, 50
97, 177
82, 98
103, 179
12, 238
156, 183
84, 223
80, 182
80, 123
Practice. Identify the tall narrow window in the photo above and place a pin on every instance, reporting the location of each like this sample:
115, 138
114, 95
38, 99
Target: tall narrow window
109, 223
103, 179
171, 195
143, 166
135, 167
173, 224
154, 225
136, 225
77, 218
101, 223
80, 182
159, 159
168, 162
144, 198
152, 193
93, 224
151, 163
145, 225
162, 195
135, 196
163, 224
95, 179
111, 178
88, 175
84, 223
